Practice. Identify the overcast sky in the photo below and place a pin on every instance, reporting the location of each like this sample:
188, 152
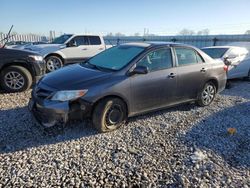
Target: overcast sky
162, 17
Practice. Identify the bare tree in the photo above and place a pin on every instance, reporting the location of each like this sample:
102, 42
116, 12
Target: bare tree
247, 32
110, 34
119, 34
203, 32
186, 32
137, 34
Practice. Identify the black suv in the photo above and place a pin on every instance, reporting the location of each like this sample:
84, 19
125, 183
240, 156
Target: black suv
19, 69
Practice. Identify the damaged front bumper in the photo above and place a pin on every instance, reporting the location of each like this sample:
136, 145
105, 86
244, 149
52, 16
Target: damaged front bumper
49, 113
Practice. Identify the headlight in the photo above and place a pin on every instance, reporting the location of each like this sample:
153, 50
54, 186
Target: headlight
68, 95
34, 58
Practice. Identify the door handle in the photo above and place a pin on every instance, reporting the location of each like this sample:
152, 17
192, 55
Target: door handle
84, 48
203, 70
171, 75
100, 48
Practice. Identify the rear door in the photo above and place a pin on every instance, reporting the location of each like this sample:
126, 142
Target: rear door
191, 72
156, 88
96, 45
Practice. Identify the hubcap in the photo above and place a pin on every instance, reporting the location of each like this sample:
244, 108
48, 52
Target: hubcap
114, 116
53, 64
208, 94
14, 80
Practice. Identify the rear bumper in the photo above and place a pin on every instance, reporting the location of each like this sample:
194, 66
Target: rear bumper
50, 113
222, 84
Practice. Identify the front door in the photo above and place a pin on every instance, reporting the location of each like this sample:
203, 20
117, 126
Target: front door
79, 51
156, 88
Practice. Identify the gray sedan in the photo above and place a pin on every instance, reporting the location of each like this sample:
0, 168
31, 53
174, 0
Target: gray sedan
125, 81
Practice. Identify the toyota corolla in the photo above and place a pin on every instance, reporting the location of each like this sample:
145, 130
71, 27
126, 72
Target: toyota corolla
125, 81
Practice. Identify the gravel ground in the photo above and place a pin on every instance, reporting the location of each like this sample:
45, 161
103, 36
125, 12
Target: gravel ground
185, 146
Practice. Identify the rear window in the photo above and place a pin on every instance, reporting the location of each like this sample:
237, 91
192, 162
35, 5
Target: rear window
94, 40
215, 53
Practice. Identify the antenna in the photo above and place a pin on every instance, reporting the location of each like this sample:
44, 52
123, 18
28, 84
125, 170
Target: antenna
7, 37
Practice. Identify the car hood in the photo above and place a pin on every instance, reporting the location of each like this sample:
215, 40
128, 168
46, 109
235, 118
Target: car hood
45, 49
74, 77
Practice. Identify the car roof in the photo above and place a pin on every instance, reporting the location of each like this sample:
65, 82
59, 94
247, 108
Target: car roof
154, 44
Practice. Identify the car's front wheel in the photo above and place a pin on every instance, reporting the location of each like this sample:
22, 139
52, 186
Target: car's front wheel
109, 114
15, 79
207, 94
53, 63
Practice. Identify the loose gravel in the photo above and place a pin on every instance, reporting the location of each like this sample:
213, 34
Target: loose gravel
184, 146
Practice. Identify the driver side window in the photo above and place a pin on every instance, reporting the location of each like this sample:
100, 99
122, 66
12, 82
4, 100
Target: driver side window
79, 41
157, 60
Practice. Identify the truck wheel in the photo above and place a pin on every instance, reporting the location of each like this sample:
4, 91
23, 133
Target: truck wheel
207, 94
53, 63
15, 79
109, 114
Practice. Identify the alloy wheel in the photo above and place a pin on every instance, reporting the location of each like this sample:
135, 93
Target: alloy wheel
14, 80
53, 64
208, 94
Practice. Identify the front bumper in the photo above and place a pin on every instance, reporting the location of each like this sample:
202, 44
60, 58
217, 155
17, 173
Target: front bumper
50, 113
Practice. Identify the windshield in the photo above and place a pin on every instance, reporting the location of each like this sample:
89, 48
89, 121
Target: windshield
61, 40
115, 58
215, 53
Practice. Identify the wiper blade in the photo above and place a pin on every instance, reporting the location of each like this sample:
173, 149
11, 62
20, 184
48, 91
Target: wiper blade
97, 67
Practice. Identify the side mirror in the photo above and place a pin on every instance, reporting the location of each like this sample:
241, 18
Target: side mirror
227, 61
139, 70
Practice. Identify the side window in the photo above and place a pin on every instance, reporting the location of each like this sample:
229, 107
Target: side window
187, 56
80, 40
157, 60
94, 40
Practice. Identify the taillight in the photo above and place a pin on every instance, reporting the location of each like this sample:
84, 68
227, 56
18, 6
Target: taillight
225, 68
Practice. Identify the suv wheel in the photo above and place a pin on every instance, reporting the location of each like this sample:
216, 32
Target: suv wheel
53, 63
207, 94
15, 79
109, 114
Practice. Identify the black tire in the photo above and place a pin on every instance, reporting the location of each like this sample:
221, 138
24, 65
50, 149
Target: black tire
248, 76
207, 95
109, 114
53, 63
23, 76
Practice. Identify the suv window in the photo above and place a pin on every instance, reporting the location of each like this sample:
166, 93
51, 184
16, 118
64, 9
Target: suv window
94, 40
187, 56
157, 60
80, 40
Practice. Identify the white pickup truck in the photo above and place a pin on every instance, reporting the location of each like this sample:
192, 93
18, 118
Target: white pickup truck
68, 49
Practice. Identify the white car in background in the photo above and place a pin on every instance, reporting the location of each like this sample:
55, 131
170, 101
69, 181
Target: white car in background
68, 49
237, 56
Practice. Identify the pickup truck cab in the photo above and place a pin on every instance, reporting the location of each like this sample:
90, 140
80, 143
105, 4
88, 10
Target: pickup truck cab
69, 48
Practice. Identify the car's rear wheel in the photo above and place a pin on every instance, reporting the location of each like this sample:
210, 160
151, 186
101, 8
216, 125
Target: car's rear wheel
207, 94
53, 63
109, 114
15, 79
